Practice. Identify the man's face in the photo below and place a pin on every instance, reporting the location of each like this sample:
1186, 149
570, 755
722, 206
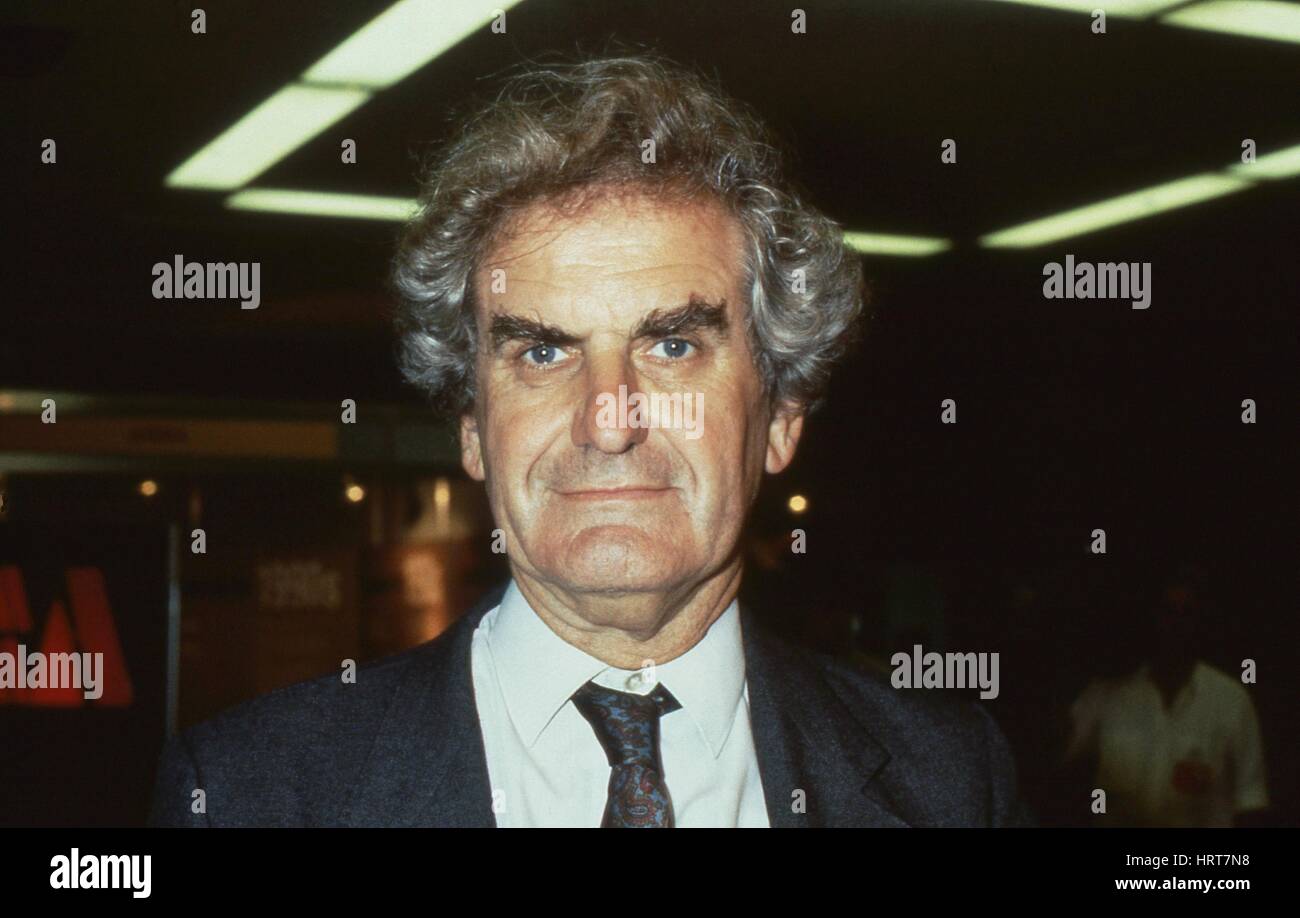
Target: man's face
632, 293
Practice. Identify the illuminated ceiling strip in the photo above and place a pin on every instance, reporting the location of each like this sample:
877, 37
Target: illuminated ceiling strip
887, 244
390, 47
1250, 18
1270, 20
1279, 165
1126, 208
401, 40
1136, 205
1124, 9
371, 207
264, 136
323, 204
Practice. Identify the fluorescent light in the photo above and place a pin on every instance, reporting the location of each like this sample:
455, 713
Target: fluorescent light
1112, 211
395, 43
323, 204
401, 40
886, 244
1282, 164
264, 136
1124, 9
1251, 18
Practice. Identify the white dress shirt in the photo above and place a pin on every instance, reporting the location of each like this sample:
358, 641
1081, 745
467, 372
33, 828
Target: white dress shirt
547, 767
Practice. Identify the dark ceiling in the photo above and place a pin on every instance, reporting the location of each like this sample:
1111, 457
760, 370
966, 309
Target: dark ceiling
1046, 114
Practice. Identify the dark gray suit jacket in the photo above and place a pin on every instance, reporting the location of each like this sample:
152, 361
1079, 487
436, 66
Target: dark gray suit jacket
402, 747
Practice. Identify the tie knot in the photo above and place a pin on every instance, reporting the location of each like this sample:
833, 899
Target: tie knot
627, 725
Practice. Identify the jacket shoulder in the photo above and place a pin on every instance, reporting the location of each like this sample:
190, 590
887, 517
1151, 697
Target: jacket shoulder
288, 757
949, 762
927, 718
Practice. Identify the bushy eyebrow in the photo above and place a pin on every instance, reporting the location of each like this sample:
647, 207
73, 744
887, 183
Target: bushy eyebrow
695, 315
506, 327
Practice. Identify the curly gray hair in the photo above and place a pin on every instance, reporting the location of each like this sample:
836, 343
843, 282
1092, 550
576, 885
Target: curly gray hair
569, 131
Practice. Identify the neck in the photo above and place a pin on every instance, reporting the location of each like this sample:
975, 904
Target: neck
631, 630
1170, 672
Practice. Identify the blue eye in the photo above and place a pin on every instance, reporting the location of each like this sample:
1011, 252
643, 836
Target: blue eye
674, 348
543, 354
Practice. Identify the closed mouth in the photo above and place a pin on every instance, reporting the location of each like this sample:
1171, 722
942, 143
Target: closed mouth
632, 492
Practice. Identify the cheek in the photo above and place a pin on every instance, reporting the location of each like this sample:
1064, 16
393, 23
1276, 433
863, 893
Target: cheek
515, 440
725, 458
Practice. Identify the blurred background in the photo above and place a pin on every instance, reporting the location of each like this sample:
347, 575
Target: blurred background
328, 540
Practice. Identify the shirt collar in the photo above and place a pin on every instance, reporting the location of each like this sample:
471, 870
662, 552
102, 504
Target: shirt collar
539, 671
1188, 689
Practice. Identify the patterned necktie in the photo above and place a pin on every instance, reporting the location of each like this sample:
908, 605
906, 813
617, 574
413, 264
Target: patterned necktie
627, 726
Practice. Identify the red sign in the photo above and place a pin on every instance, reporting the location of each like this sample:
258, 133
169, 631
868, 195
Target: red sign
89, 630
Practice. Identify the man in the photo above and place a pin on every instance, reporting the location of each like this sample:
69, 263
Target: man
605, 237
1175, 742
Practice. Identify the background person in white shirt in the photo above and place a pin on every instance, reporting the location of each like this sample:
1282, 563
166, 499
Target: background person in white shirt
1177, 741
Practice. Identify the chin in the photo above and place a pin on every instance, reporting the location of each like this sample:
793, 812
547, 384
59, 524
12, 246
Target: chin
618, 558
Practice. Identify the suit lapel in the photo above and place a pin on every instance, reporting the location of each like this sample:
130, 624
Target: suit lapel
428, 766
807, 739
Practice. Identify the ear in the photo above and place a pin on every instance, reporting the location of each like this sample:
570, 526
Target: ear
783, 436
471, 447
